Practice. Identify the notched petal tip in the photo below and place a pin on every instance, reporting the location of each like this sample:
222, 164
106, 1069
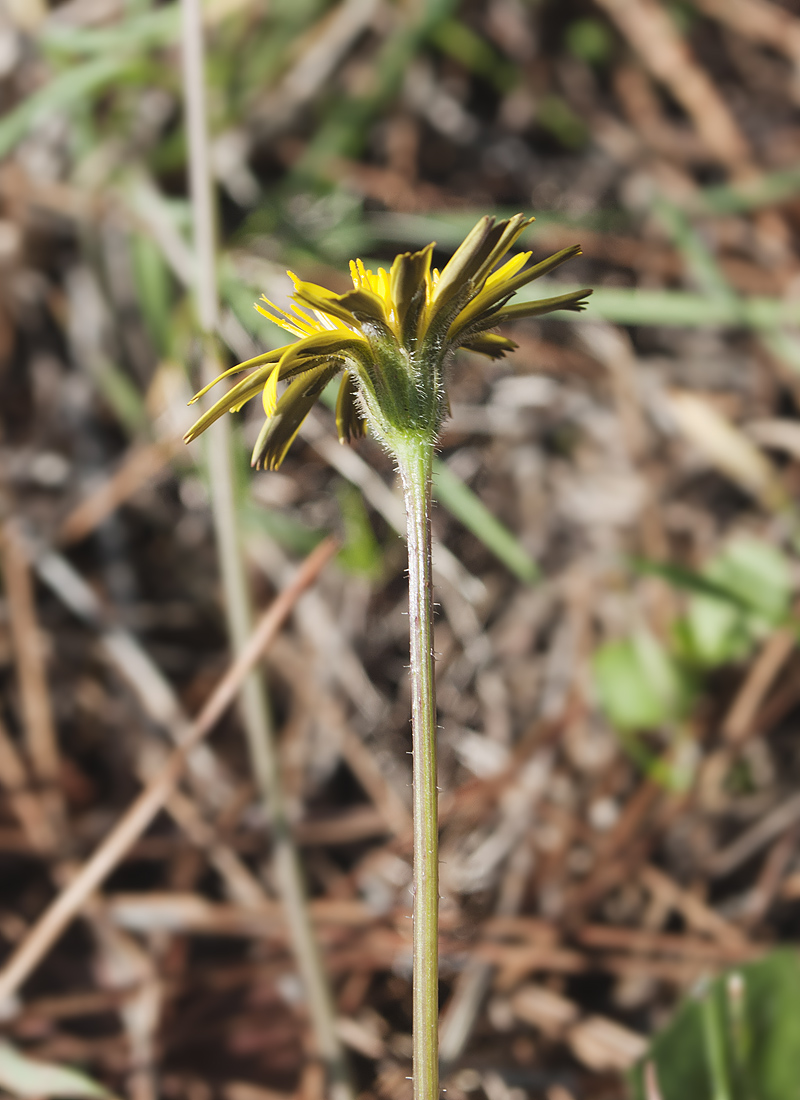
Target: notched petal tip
574, 300
257, 361
278, 431
234, 399
512, 229
464, 277
490, 344
486, 308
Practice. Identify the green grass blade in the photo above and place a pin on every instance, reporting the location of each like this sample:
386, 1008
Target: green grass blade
739, 198
699, 259
145, 31
460, 500
633, 306
62, 92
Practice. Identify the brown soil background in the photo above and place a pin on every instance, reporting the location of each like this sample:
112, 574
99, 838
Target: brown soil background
581, 897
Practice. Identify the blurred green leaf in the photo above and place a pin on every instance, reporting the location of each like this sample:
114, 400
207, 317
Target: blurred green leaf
279, 524
288, 532
122, 396
63, 91
713, 633
345, 127
743, 1034
469, 509
28, 1077
448, 229
640, 687
752, 593
590, 40
758, 574
635, 306
699, 258
361, 552
739, 595
751, 194
139, 32
687, 579
154, 289
455, 38
555, 115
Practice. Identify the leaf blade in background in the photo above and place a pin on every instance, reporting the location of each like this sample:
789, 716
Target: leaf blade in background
470, 510
28, 1077
639, 685
62, 92
763, 1006
361, 553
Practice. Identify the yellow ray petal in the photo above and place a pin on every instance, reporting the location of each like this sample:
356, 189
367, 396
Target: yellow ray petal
288, 321
269, 398
508, 270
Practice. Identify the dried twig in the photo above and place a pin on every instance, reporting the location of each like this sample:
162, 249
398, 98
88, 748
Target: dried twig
140, 466
759, 20
784, 816
136, 819
740, 721
655, 37
34, 691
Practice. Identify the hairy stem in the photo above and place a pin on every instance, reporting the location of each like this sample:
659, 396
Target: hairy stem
415, 459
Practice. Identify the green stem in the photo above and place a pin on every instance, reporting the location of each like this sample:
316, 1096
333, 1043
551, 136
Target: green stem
415, 458
255, 709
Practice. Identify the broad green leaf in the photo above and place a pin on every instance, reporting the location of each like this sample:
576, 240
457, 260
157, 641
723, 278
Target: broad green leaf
741, 594
739, 1039
749, 574
28, 1077
590, 40
639, 685
713, 632
361, 552
757, 574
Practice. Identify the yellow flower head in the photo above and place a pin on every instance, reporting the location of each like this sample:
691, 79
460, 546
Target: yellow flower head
390, 337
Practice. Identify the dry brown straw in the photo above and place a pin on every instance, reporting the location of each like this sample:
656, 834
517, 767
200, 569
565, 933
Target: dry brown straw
134, 822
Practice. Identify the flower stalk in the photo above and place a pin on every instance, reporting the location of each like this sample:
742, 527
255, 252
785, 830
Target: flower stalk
415, 462
391, 339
